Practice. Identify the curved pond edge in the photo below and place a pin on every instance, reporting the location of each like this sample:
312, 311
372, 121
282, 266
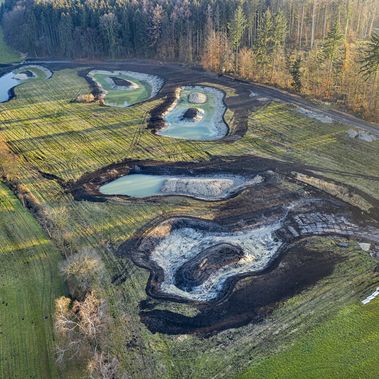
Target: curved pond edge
88, 186
232, 185
11, 91
97, 91
218, 95
157, 120
146, 238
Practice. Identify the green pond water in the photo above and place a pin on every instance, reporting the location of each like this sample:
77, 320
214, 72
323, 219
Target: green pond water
210, 127
135, 185
147, 87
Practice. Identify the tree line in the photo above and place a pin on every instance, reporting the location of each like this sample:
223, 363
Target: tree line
312, 46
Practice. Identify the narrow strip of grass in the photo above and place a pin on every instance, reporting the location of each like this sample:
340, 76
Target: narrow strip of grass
29, 283
344, 347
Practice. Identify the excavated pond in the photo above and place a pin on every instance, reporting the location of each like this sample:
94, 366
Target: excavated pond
19, 76
125, 88
237, 267
194, 259
203, 187
196, 114
197, 257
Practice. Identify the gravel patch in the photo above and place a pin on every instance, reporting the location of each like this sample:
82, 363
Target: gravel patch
361, 135
315, 115
212, 188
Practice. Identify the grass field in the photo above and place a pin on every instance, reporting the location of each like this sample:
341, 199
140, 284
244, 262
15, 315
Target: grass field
29, 283
53, 135
344, 346
7, 55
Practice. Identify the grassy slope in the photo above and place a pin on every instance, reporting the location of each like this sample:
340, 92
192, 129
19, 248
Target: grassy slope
69, 139
29, 283
345, 346
7, 55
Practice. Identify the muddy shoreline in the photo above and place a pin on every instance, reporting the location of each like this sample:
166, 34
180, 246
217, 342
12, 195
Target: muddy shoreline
87, 187
157, 122
255, 299
7, 69
131, 249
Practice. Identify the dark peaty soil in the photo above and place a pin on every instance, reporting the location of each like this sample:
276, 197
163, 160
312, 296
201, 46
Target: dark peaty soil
253, 299
120, 82
197, 270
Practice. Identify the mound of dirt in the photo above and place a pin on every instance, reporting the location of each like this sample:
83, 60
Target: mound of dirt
85, 98
205, 188
197, 270
192, 114
197, 98
24, 75
119, 82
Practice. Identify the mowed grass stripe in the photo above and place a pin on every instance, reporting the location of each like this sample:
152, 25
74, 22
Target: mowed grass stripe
344, 346
29, 284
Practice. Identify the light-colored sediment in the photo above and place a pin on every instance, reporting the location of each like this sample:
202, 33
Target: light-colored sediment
207, 188
371, 297
181, 245
315, 115
197, 98
20, 76
181, 241
361, 135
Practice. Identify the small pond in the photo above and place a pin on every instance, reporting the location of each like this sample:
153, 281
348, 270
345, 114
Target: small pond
197, 114
125, 88
203, 187
18, 76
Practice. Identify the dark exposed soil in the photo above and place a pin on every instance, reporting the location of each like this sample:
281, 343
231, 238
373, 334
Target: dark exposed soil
176, 75
191, 114
197, 270
94, 87
270, 206
254, 299
247, 298
87, 187
28, 73
121, 82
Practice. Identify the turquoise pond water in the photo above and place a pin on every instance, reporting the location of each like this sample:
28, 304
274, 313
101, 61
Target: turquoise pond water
210, 127
7, 82
135, 185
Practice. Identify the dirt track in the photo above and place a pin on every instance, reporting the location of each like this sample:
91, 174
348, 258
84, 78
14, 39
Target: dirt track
180, 74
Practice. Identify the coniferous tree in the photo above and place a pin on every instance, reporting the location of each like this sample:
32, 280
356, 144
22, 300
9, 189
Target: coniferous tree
295, 71
236, 30
370, 61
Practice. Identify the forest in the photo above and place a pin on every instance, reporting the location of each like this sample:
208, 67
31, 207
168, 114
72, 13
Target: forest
314, 47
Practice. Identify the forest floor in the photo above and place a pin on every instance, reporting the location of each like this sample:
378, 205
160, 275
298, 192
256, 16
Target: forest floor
59, 142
